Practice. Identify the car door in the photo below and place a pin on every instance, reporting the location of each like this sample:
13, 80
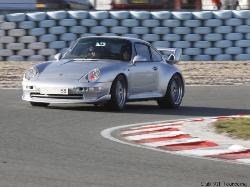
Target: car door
143, 76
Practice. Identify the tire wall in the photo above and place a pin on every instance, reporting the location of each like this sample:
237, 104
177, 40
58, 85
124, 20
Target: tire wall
203, 36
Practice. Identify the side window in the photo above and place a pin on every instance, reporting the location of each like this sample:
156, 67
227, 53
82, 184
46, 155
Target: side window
156, 57
142, 50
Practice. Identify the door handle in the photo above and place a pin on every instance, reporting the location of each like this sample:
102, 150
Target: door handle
155, 68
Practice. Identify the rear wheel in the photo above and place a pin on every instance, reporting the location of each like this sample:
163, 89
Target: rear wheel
39, 104
174, 93
118, 93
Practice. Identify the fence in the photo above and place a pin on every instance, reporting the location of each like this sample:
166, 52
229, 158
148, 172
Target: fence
206, 35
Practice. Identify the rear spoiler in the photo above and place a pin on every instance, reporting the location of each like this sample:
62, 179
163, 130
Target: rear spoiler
171, 55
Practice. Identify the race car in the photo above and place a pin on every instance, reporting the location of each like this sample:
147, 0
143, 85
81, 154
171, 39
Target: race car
107, 71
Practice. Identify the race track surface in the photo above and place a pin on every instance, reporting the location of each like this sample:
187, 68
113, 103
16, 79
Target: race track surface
61, 145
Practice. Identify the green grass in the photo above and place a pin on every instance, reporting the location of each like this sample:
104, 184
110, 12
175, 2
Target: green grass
234, 127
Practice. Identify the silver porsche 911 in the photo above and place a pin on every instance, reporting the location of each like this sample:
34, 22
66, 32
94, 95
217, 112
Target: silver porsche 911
107, 71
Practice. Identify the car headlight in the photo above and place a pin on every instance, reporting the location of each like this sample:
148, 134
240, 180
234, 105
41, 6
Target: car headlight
31, 73
93, 75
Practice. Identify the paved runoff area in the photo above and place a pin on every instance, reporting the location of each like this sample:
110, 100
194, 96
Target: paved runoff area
61, 145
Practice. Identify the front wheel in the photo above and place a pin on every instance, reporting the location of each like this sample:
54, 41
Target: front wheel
118, 93
174, 94
39, 104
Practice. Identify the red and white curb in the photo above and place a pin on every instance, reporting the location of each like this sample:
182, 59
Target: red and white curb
167, 136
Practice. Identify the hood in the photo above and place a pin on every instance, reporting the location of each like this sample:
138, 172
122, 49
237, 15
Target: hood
73, 69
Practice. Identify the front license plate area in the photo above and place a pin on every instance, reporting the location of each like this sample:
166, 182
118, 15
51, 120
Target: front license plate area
54, 91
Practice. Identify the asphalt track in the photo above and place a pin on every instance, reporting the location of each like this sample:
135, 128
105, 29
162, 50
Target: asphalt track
61, 145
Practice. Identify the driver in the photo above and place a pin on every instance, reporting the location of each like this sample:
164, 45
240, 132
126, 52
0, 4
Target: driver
97, 52
126, 53
91, 52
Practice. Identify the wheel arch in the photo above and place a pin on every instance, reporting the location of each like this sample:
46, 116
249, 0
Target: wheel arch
125, 78
169, 100
182, 79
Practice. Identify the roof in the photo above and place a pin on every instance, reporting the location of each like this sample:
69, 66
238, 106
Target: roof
119, 37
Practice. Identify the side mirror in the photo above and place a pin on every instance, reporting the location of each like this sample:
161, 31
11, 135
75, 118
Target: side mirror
139, 58
58, 56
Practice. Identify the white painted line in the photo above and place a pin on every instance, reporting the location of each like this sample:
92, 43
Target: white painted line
148, 126
235, 116
244, 160
211, 151
163, 123
172, 142
150, 129
205, 122
154, 135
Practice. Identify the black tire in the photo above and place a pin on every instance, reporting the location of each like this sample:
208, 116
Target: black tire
118, 94
174, 93
39, 104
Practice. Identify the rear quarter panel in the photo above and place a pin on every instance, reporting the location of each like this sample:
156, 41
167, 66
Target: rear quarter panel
166, 71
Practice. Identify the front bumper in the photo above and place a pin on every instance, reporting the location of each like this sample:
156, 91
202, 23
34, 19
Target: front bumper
76, 92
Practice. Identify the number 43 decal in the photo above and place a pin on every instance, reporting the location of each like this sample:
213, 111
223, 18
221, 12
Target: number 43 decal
100, 44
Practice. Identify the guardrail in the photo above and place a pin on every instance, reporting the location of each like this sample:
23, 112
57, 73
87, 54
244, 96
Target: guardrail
205, 35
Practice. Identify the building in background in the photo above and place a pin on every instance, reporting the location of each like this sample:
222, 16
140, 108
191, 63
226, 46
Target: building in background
146, 4
99, 4
27, 5
187, 5
179, 5
226, 4
229, 4
171, 4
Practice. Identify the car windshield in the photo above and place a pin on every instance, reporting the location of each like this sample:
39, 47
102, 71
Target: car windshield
101, 48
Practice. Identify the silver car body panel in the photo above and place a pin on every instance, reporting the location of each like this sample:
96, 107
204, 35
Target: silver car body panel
64, 81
